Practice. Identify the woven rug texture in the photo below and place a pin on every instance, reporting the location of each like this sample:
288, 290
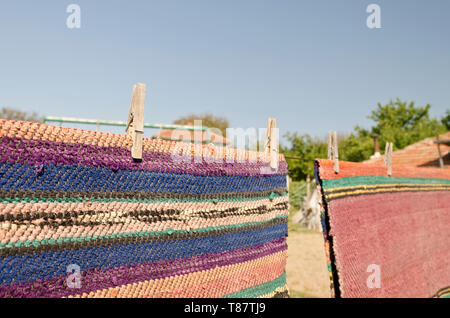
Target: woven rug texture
80, 218
386, 236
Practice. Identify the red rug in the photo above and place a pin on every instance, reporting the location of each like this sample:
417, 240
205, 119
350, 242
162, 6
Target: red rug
386, 236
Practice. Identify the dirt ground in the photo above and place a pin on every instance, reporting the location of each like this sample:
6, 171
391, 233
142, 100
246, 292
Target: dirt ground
307, 273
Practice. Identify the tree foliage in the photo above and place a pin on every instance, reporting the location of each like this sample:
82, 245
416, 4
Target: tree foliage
15, 114
446, 119
305, 147
357, 147
208, 120
404, 123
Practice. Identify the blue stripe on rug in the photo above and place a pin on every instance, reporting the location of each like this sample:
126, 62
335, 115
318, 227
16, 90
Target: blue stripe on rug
84, 178
30, 267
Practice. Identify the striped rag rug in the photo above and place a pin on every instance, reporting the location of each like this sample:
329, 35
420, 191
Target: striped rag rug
80, 218
386, 236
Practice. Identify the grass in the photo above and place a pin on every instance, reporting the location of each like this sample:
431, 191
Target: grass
298, 228
298, 294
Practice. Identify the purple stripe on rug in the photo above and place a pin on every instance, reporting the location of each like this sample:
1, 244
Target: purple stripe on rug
37, 152
93, 280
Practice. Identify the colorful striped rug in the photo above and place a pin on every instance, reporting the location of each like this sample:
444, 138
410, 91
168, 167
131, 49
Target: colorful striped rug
80, 218
386, 236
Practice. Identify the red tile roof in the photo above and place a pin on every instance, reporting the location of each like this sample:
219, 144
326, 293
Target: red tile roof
421, 154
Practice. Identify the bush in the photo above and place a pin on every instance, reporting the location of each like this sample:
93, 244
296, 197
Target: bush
297, 192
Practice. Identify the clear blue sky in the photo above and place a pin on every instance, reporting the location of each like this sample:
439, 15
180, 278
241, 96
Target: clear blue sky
314, 65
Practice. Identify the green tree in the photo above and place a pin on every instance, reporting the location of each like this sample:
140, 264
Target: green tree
401, 123
208, 120
305, 147
404, 123
356, 147
446, 119
15, 114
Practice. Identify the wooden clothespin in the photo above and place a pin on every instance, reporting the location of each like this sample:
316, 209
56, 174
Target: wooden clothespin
388, 158
271, 144
135, 123
333, 153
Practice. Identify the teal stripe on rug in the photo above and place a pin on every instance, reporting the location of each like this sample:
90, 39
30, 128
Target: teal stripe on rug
373, 180
260, 290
